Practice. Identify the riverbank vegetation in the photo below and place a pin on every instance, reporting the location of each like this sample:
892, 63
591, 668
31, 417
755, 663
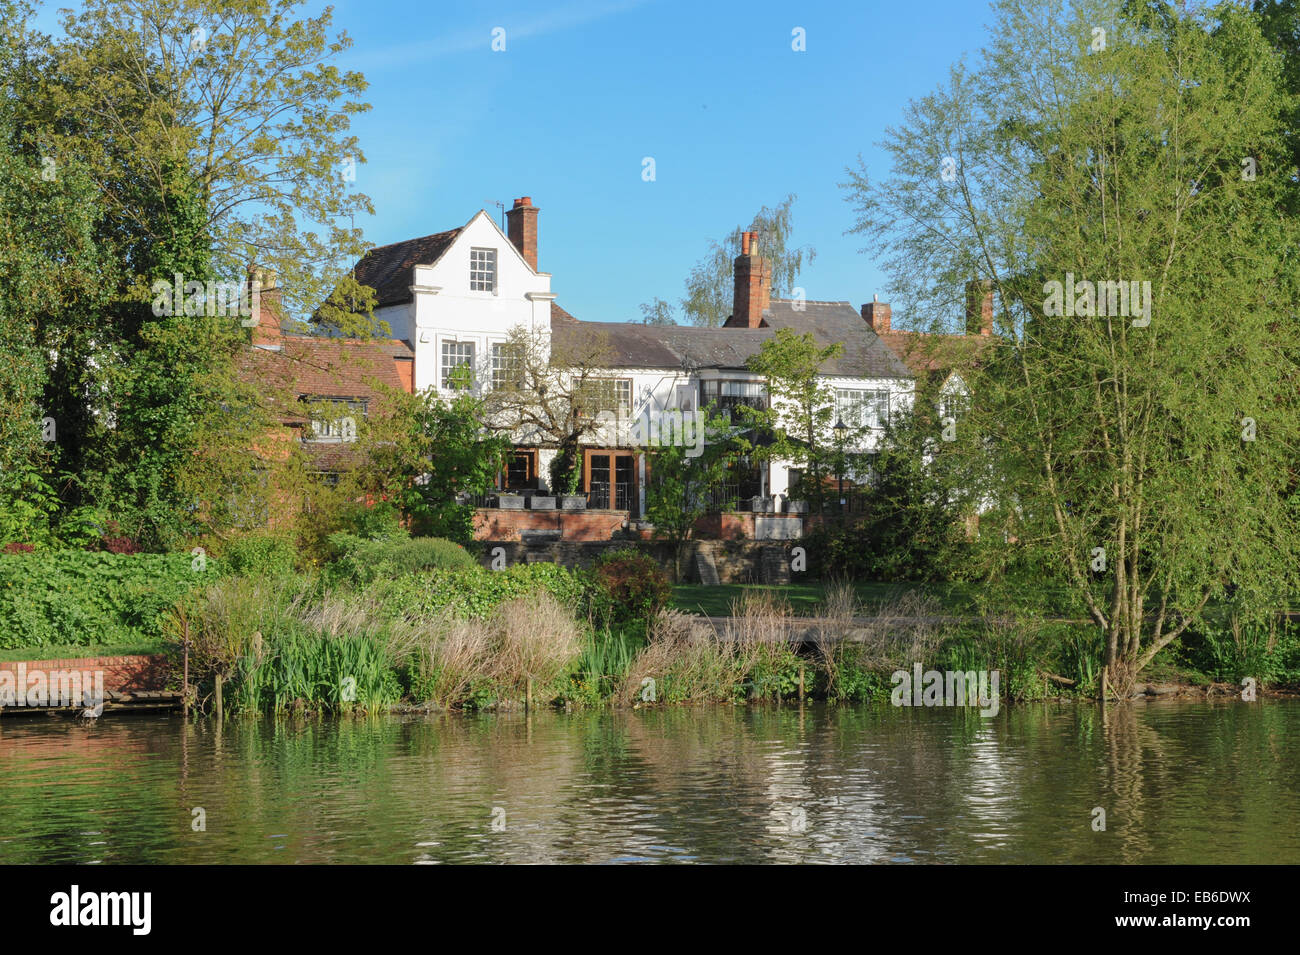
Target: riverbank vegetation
1133, 471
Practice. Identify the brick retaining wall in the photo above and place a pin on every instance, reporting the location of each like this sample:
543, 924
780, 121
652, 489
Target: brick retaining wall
121, 674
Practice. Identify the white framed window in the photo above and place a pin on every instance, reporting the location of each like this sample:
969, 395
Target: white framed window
456, 355
728, 394
953, 403
483, 270
608, 394
862, 408
339, 422
507, 364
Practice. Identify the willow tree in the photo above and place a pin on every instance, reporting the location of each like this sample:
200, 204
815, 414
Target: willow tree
709, 287
1115, 173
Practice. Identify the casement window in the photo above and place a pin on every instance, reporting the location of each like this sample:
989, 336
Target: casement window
861, 408
953, 404
730, 394
336, 419
610, 394
456, 355
507, 364
483, 270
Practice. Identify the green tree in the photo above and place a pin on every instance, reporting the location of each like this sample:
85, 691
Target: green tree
54, 268
657, 312
797, 425
552, 394
1147, 445
249, 99
425, 451
710, 287
680, 485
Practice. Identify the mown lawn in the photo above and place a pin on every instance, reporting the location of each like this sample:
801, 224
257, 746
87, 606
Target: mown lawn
806, 599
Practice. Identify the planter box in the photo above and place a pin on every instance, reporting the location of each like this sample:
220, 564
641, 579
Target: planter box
797, 507
510, 502
760, 505
573, 502
538, 503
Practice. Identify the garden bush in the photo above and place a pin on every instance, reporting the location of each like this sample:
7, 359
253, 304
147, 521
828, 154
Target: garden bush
474, 593
635, 584
260, 555
362, 561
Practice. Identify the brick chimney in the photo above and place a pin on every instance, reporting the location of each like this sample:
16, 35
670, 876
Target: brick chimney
753, 285
522, 229
979, 307
876, 314
266, 332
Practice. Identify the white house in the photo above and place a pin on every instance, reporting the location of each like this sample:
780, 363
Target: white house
451, 299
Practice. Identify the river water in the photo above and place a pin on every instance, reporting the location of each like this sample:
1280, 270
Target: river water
1179, 783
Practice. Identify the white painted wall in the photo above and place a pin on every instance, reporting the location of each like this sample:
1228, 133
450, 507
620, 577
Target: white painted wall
444, 308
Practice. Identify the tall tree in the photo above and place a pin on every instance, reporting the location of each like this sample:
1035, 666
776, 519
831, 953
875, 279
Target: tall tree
680, 484
1140, 402
238, 104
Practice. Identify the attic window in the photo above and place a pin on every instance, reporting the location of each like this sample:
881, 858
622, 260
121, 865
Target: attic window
483, 270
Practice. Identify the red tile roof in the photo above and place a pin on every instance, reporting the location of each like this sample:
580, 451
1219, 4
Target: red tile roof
387, 268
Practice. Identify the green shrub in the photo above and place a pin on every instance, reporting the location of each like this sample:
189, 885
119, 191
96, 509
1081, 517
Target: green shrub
363, 561
83, 597
260, 555
381, 521
474, 593
636, 586
318, 671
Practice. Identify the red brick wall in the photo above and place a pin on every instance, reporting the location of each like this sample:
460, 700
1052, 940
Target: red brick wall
491, 524
727, 527
121, 674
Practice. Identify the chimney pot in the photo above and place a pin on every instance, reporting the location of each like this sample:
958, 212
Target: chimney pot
753, 289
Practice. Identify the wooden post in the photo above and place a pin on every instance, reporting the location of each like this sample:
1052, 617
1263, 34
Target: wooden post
185, 685
801, 683
1104, 676
217, 691
528, 699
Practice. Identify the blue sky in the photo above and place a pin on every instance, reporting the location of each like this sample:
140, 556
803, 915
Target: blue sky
733, 117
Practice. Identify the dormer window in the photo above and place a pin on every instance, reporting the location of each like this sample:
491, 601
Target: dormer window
483, 270
334, 419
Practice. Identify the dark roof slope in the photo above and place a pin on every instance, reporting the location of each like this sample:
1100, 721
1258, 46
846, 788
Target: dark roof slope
387, 268
688, 347
864, 355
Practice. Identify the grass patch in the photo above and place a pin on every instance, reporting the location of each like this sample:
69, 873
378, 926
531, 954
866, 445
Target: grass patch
809, 600
73, 651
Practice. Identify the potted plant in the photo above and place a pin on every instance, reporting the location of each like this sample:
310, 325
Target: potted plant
565, 481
